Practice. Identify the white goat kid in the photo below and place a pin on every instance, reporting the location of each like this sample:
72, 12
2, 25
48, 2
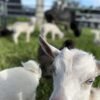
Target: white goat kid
20, 83
96, 35
53, 29
23, 27
73, 73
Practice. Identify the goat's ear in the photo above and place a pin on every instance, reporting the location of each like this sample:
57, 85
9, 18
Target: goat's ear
48, 49
98, 67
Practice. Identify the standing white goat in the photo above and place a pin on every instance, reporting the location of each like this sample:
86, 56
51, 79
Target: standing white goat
20, 83
53, 29
74, 72
23, 27
96, 35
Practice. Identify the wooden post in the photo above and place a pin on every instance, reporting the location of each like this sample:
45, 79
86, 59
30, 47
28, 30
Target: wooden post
5, 15
39, 13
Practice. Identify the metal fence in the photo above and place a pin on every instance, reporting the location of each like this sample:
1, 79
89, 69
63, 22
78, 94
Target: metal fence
15, 9
8, 9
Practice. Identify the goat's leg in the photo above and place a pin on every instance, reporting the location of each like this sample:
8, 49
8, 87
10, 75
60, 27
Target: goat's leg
28, 34
97, 37
15, 37
61, 35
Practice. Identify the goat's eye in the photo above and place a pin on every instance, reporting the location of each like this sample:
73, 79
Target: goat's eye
89, 81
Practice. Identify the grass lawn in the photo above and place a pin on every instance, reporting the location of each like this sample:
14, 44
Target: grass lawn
11, 55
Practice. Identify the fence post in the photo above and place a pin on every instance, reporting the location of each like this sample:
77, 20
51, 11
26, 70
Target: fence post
39, 12
4, 15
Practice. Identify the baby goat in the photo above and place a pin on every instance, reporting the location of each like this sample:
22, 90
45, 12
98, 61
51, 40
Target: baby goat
20, 83
53, 29
22, 27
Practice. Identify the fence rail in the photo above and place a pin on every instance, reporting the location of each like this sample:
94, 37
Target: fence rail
9, 9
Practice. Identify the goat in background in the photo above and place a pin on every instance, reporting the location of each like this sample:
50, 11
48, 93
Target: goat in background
53, 29
22, 27
96, 33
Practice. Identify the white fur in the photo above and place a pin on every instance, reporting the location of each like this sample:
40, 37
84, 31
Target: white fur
73, 69
53, 29
20, 83
22, 27
74, 73
96, 35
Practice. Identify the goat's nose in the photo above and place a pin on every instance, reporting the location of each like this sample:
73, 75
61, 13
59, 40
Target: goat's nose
55, 98
61, 98
58, 98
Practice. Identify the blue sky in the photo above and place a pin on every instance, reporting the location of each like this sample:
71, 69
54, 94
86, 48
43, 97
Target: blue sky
30, 2
49, 2
90, 2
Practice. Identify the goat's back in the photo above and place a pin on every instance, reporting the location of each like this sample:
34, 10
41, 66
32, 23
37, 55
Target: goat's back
17, 84
51, 27
22, 27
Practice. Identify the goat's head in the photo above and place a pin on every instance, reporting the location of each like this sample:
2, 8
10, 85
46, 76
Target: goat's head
73, 74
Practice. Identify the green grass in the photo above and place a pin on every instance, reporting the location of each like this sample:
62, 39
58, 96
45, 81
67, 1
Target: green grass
11, 55
11, 20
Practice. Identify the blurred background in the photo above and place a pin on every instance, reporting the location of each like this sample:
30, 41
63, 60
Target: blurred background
79, 20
